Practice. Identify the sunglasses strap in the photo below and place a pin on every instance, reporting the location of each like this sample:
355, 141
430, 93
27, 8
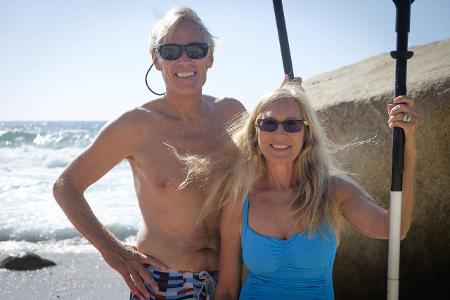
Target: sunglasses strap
146, 83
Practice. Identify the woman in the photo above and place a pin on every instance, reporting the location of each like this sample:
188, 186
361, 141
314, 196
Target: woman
283, 200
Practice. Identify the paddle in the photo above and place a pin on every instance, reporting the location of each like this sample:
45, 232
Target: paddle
401, 55
283, 38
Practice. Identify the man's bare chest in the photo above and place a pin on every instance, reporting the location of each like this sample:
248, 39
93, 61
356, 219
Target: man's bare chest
159, 159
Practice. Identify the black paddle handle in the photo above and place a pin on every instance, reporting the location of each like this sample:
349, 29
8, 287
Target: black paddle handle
283, 38
401, 55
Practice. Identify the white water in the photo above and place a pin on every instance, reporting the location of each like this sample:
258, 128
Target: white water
32, 155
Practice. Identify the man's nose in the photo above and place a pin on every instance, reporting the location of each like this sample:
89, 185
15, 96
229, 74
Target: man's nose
184, 56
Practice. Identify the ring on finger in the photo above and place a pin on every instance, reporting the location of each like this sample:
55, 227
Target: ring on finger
406, 117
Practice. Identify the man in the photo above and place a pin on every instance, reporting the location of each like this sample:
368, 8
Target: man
171, 236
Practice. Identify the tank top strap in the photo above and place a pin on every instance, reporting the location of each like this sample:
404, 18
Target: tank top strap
244, 220
245, 213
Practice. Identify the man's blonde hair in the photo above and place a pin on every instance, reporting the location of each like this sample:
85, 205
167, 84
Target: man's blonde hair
164, 28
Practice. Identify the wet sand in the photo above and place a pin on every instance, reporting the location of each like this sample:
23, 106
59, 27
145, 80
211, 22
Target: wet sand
76, 276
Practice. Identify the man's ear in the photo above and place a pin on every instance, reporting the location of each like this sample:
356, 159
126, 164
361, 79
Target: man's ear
155, 60
211, 60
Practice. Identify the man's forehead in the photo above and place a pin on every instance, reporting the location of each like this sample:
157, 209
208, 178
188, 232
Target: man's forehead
186, 30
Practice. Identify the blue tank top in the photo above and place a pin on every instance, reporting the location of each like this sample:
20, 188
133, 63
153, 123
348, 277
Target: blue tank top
300, 267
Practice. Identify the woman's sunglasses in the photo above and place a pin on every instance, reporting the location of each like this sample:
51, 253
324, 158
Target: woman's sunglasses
174, 51
271, 125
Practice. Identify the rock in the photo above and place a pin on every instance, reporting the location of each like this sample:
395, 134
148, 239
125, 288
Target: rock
26, 262
352, 104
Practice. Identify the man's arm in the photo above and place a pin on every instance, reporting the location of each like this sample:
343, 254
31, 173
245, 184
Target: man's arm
116, 141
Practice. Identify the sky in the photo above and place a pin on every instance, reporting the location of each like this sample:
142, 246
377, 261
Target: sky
86, 60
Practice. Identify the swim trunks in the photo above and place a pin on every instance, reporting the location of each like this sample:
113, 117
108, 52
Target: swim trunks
181, 285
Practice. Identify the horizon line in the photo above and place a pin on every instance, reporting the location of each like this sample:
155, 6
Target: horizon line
69, 120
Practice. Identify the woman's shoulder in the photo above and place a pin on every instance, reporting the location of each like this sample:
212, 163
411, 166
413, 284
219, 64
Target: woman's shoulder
339, 181
341, 188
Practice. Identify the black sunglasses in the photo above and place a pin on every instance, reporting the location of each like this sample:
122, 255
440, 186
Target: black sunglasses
174, 51
271, 125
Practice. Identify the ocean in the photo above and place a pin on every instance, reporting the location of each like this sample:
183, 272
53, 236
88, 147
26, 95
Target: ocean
32, 155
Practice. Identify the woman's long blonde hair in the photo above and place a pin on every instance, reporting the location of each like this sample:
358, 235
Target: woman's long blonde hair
241, 164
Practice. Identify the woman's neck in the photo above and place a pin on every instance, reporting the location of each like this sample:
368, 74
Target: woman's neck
280, 176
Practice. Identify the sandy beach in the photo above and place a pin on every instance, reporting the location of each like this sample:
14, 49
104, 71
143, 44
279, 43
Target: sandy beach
76, 276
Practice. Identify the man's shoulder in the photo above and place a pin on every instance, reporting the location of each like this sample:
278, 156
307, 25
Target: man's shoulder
143, 113
132, 117
229, 107
226, 101
133, 120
